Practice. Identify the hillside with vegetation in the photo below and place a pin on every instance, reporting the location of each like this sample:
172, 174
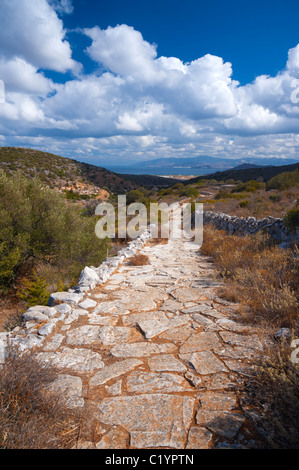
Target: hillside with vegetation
47, 235
67, 175
45, 240
247, 174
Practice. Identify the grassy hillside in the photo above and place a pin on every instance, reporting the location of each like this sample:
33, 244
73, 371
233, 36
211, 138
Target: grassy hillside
60, 172
248, 174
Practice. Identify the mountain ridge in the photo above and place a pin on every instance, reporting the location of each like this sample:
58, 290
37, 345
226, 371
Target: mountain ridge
58, 172
207, 162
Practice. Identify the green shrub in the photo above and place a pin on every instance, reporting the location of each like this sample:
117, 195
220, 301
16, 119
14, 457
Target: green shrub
250, 186
134, 196
291, 219
275, 197
223, 194
189, 191
37, 224
33, 291
286, 180
244, 204
178, 186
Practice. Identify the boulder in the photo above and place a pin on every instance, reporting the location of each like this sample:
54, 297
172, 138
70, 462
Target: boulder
88, 278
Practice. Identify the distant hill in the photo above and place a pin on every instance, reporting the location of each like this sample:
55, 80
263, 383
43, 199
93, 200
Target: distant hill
150, 181
247, 166
206, 162
248, 174
60, 172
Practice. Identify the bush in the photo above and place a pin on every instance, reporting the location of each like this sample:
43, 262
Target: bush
250, 186
138, 260
274, 386
190, 192
275, 197
38, 224
291, 219
134, 196
267, 277
178, 186
286, 180
33, 290
223, 194
32, 417
244, 204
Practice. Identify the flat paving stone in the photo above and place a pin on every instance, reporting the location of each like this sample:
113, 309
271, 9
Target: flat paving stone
88, 303
185, 294
55, 342
136, 318
153, 327
178, 335
199, 438
96, 319
215, 401
142, 349
204, 362
106, 307
114, 439
80, 360
153, 420
223, 423
166, 362
113, 371
69, 390
87, 334
111, 335
201, 341
250, 342
151, 382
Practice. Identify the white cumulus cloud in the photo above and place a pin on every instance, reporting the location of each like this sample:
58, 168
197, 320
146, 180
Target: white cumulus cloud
136, 102
31, 30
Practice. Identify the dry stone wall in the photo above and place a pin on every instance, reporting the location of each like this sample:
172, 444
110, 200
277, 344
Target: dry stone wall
250, 225
151, 351
28, 335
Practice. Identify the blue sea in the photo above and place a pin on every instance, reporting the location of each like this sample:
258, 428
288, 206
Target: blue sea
161, 171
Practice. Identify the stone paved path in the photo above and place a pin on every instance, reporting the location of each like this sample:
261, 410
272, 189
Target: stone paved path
156, 353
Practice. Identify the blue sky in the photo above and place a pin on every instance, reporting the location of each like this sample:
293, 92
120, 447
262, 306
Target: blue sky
254, 36
121, 81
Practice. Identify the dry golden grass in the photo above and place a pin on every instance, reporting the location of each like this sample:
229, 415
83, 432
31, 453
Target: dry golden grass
258, 204
264, 280
258, 274
32, 417
11, 310
158, 241
273, 390
138, 260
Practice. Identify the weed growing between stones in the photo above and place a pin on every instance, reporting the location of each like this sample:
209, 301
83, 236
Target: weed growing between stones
138, 260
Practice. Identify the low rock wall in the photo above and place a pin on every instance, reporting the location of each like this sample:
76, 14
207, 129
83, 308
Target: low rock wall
29, 334
250, 225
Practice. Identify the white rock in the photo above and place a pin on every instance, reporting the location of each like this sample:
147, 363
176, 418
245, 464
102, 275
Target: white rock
46, 329
58, 297
63, 308
88, 278
283, 333
34, 316
3, 346
88, 303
